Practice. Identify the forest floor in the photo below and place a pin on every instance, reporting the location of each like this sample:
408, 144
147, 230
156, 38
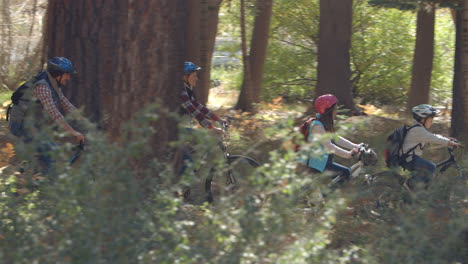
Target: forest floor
253, 140
372, 128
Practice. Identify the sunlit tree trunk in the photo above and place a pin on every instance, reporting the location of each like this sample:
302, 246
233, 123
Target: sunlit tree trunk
127, 53
259, 45
254, 61
334, 70
423, 56
245, 102
460, 82
209, 29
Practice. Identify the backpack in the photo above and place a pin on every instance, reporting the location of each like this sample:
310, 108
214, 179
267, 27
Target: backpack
393, 155
17, 95
304, 129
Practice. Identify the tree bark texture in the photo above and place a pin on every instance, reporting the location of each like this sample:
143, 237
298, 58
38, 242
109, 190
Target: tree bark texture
334, 70
423, 56
245, 101
202, 27
128, 54
259, 45
459, 124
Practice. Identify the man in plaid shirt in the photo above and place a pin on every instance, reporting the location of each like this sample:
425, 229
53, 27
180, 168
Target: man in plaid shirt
193, 109
27, 120
190, 104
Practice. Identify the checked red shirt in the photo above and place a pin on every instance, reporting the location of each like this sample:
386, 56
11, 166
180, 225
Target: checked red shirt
194, 108
43, 93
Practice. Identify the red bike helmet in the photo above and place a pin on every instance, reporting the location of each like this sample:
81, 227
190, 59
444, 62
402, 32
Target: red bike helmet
323, 102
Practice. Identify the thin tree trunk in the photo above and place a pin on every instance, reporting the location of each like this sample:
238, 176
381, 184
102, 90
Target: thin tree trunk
6, 28
208, 30
423, 56
259, 45
245, 102
459, 123
31, 29
334, 70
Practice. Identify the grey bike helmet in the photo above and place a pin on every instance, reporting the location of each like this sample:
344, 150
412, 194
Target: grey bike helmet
424, 111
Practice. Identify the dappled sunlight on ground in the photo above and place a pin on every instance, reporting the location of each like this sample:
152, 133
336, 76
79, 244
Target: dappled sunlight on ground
222, 98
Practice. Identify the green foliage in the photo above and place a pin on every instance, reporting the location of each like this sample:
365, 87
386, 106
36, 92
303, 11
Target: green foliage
413, 4
381, 55
383, 43
119, 204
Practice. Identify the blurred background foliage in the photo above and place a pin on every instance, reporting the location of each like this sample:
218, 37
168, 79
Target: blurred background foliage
381, 54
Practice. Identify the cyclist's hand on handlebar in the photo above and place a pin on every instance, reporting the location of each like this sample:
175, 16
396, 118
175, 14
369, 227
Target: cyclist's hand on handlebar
224, 123
454, 143
362, 145
217, 131
79, 137
355, 152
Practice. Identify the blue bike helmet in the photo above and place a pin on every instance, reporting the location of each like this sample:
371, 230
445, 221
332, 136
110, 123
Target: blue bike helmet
60, 64
190, 67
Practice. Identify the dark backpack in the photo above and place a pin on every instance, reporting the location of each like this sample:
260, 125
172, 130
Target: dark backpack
304, 129
393, 153
17, 95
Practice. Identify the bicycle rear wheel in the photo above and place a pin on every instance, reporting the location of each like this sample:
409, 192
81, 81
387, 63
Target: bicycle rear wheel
383, 196
232, 180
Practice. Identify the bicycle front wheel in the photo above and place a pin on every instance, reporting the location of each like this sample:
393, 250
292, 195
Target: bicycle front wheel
233, 180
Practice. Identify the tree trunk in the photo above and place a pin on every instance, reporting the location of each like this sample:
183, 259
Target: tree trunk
460, 80
192, 34
202, 26
259, 45
334, 70
245, 102
209, 28
423, 56
127, 53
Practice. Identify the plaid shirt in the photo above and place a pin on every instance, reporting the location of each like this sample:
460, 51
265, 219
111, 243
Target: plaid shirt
194, 108
43, 93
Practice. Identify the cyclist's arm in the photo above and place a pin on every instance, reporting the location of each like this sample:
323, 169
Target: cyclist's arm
346, 143
193, 108
427, 137
43, 94
319, 130
65, 104
208, 114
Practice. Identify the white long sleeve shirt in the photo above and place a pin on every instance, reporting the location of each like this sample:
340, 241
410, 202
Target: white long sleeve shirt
420, 135
332, 148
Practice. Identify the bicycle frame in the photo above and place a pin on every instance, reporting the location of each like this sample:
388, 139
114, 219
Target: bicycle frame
444, 165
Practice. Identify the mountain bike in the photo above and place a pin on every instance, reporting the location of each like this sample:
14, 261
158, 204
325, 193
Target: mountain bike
385, 191
231, 179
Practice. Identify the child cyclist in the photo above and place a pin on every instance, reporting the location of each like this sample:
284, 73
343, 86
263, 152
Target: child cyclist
415, 141
326, 106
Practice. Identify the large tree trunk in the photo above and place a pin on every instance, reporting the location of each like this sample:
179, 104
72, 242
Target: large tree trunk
460, 80
202, 26
257, 54
334, 70
127, 53
245, 102
423, 56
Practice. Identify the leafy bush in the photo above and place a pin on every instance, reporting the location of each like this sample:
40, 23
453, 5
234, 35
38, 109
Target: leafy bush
104, 209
